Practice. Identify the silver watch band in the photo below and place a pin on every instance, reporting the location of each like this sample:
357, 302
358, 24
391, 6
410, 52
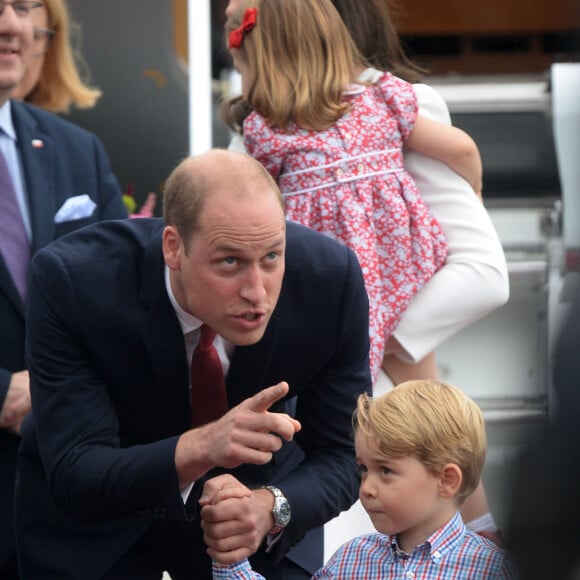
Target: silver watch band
281, 511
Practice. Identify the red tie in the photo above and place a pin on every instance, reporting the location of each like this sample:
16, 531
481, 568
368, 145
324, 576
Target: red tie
208, 390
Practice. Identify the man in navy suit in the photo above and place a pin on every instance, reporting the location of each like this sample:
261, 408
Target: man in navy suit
110, 470
50, 162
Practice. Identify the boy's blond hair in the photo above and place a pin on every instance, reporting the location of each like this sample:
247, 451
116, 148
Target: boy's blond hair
302, 57
435, 422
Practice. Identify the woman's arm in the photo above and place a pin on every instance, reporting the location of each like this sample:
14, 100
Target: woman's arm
474, 280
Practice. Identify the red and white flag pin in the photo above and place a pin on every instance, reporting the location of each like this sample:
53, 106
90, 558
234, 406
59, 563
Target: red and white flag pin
38, 143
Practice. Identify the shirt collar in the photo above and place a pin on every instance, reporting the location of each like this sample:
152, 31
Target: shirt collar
442, 541
187, 322
6, 124
448, 537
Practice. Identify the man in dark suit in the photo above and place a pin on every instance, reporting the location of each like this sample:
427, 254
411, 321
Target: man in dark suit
47, 162
110, 470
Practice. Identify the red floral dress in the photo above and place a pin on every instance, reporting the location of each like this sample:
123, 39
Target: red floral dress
349, 182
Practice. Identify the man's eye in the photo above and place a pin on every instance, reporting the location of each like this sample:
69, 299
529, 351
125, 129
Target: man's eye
230, 260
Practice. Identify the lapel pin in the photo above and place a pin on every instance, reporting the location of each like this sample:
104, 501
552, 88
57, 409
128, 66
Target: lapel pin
38, 143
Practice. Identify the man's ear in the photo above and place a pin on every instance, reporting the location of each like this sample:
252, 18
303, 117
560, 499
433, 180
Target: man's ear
450, 482
172, 247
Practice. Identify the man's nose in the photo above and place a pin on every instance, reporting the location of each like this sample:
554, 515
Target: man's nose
253, 288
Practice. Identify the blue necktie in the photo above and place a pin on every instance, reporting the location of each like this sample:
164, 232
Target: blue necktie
14, 244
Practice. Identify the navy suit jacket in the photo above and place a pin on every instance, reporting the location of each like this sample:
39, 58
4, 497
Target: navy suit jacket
110, 392
66, 161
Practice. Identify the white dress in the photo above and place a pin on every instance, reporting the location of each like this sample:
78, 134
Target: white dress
474, 280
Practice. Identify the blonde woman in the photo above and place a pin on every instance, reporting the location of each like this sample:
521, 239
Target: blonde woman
53, 80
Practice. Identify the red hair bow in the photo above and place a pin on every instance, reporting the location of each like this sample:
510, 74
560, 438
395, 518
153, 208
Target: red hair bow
237, 36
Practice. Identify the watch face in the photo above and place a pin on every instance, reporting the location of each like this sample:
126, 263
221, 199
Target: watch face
282, 511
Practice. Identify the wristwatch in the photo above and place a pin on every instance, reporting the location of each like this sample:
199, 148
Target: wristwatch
281, 511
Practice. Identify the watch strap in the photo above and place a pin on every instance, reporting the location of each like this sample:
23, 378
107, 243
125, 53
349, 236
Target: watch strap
278, 496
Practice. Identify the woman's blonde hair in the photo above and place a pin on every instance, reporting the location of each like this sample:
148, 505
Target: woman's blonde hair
435, 422
60, 85
302, 59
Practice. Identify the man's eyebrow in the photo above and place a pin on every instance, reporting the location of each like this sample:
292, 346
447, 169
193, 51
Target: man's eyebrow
228, 247
279, 242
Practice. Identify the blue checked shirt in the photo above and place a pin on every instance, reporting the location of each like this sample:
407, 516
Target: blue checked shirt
451, 553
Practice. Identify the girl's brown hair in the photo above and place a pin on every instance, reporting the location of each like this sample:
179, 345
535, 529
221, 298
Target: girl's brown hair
302, 58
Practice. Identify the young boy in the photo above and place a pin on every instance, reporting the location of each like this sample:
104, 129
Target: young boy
420, 450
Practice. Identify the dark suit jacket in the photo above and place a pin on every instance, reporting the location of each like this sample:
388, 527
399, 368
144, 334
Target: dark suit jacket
110, 398
69, 162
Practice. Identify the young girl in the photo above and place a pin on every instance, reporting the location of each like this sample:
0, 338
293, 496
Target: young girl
335, 147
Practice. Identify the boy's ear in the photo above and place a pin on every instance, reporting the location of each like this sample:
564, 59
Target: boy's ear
451, 478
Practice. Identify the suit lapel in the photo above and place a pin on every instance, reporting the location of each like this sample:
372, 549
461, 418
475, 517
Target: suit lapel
37, 153
163, 340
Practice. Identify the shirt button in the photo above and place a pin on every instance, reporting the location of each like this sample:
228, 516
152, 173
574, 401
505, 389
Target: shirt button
436, 554
361, 167
410, 575
347, 135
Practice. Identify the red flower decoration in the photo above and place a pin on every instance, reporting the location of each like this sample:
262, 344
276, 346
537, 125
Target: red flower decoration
236, 37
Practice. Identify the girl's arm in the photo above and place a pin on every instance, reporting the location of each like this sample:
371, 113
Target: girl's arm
449, 145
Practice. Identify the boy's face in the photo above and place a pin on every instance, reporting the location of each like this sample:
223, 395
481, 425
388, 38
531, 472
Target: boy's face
400, 495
